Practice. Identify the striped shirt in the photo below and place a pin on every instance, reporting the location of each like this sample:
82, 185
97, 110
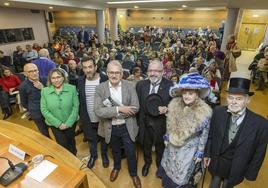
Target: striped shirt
90, 88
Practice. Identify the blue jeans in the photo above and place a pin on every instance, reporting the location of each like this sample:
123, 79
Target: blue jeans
120, 135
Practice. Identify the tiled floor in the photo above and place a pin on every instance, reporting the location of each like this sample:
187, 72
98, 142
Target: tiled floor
259, 104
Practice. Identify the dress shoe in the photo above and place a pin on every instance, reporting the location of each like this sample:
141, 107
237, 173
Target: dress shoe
145, 169
114, 175
6, 115
91, 162
136, 181
105, 161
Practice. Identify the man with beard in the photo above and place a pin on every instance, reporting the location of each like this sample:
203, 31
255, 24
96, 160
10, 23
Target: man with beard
153, 128
237, 139
89, 121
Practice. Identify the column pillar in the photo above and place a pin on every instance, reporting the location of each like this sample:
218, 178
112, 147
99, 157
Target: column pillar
100, 23
113, 23
230, 26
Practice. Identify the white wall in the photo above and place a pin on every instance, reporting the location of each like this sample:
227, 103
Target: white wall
20, 18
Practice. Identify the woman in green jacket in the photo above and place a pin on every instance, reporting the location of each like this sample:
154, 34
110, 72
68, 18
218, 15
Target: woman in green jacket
59, 106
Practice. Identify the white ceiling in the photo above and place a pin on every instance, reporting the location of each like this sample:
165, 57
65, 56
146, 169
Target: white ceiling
101, 4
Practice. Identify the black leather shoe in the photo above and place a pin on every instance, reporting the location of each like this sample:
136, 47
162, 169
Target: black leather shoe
6, 115
91, 162
145, 169
105, 161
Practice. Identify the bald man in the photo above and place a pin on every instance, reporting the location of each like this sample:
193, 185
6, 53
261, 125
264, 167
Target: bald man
44, 63
30, 90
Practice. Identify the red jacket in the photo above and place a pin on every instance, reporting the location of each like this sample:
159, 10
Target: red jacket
10, 82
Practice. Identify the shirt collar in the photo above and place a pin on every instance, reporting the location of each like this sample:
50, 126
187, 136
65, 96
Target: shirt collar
157, 83
52, 89
43, 58
119, 85
241, 113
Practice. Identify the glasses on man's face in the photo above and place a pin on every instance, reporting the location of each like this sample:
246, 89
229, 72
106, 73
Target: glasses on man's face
116, 73
32, 71
154, 71
56, 78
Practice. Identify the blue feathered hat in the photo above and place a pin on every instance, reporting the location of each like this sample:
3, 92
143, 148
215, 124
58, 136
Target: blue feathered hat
191, 81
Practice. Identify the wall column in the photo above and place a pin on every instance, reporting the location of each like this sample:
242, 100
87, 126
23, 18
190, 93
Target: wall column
113, 23
230, 26
100, 23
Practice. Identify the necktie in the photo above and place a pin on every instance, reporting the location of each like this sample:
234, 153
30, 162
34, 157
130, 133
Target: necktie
154, 87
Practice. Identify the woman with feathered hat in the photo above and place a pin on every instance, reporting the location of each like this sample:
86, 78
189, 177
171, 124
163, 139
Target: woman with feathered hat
187, 130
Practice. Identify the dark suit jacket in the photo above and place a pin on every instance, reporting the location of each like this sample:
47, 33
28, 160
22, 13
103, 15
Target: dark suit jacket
84, 117
250, 148
143, 89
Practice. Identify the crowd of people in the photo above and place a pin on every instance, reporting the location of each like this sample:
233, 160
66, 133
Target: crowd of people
157, 88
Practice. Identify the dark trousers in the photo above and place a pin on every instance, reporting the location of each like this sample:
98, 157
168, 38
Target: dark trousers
93, 145
66, 138
216, 182
120, 135
149, 141
4, 101
42, 126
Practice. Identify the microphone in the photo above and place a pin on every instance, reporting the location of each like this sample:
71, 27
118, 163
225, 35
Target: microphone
12, 173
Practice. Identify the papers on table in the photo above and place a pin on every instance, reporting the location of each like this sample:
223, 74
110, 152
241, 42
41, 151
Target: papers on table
40, 172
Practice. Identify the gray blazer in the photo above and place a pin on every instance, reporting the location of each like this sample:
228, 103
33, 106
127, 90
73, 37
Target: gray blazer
105, 114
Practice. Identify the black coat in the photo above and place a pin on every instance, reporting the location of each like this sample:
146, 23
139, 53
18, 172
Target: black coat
143, 89
84, 117
250, 148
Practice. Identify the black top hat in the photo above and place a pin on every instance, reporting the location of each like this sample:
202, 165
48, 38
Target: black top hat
152, 102
239, 85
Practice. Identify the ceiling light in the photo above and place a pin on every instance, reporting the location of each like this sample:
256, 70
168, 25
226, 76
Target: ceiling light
121, 16
146, 1
184, 6
50, 8
6, 3
136, 7
255, 15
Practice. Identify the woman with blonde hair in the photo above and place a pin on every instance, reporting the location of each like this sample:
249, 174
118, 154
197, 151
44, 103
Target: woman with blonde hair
59, 106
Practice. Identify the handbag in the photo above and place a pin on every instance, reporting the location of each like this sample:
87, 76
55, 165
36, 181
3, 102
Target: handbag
236, 53
196, 175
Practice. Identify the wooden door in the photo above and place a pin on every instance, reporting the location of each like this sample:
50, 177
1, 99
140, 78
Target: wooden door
251, 35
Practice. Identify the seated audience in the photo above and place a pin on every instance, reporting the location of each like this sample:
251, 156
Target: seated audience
30, 54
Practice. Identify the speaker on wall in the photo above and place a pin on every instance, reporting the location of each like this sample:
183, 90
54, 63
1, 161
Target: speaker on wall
128, 12
50, 17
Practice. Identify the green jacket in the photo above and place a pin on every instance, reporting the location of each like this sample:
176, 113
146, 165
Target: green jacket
60, 108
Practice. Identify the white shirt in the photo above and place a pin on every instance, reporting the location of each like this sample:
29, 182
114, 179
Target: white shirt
156, 87
241, 115
116, 93
90, 87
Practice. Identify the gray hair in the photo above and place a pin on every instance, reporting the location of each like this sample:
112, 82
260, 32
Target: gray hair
157, 62
115, 63
43, 53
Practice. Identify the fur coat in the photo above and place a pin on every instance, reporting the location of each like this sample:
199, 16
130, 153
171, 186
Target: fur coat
184, 122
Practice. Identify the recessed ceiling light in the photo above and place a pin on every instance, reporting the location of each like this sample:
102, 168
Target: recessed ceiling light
184, 6
6, 3
50, 8
255, 15
136, 7
146, 1
121, 16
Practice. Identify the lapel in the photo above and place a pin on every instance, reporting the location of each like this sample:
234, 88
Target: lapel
124, 92
224, 122
147, 88
106, 88
246, 129
83, 86
161, 88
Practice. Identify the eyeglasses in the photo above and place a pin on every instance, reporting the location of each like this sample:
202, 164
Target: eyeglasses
152, 70
114, 73
32, 71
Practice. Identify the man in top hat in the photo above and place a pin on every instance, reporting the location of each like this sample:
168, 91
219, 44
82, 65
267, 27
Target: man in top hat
237, 139
152, 125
